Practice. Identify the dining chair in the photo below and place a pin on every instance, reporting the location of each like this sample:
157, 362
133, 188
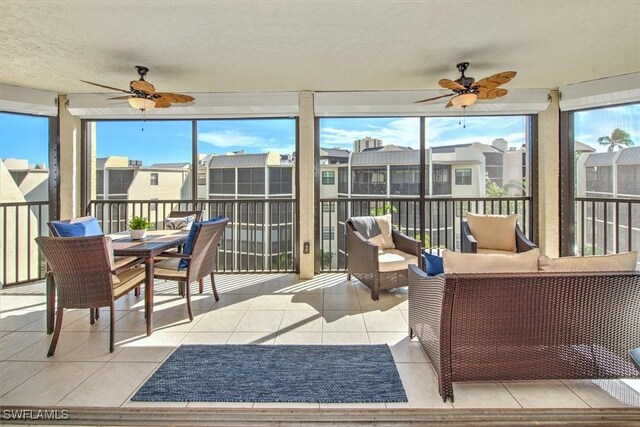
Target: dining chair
86, 277
197, 259
89, 226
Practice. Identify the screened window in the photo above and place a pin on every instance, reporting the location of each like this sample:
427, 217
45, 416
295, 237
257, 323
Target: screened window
405, 180
251, 181
222, 181
119, 182
463, 176
441, 179
343, 180
328, 178
100, 183
629, 179
368, 180
154, 179
280, 180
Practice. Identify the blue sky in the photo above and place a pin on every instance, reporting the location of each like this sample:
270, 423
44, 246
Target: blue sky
170, 141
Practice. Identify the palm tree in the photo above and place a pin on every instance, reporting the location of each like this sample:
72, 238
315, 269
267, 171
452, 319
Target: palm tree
619, 138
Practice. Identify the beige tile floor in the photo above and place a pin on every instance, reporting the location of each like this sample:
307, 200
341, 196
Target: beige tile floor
258, 308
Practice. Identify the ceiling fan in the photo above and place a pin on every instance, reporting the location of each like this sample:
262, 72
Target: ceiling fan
143, 96
466, 90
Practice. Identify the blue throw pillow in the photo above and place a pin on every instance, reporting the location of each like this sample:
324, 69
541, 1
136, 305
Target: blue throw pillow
433, 264
91, 227
188, 245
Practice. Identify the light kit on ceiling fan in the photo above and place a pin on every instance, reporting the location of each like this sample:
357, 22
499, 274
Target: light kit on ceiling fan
142, 104
464, 100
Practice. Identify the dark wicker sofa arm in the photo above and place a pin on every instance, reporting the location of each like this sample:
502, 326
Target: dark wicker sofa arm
522, 243
468, 243
426, 294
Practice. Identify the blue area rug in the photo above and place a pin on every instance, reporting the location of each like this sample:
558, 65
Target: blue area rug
276, 373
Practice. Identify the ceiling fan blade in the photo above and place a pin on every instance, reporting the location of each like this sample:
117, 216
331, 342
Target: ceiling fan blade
120, 97
495, 80
143, 86
433, 99
449, 104
105, 86
450, 84
492, 93
161, 103
175, 98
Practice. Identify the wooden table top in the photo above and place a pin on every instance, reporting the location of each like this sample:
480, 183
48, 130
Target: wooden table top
157, 241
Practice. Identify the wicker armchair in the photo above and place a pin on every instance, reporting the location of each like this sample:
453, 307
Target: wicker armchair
201, 260
525, 326
86, 277
470, 245
120, 263
364, 261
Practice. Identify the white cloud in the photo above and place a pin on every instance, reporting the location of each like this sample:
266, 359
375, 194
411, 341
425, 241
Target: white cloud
230, 139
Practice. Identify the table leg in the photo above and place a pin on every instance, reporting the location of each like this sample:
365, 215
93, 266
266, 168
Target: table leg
148, 294
51, 303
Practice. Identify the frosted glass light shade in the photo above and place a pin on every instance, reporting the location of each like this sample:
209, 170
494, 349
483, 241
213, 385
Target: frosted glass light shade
464, 100
142, 103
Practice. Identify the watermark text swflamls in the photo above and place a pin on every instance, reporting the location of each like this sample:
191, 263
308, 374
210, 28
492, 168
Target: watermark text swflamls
35, 414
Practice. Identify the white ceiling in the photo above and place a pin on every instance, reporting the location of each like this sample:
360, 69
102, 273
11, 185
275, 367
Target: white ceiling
249, 46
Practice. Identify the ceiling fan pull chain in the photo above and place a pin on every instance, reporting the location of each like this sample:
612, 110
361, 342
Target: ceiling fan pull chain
143, 112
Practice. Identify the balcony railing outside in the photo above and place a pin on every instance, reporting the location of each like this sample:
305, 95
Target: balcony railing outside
607, 225
21, 223
260, 236
441, 226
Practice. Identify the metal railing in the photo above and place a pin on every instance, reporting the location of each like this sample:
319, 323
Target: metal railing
260, 236
606, 225
20, 259
440, 228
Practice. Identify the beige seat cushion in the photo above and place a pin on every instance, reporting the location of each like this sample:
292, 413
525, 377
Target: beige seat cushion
168, 268
458, 262
616, 262
494, 231
123, 260
494, 251
127, 280
395, 260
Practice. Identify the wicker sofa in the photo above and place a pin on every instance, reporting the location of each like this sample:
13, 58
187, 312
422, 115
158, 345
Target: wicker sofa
497, 326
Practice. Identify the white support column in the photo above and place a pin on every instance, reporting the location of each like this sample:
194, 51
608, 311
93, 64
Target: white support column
306, 165
549, 178
70, 140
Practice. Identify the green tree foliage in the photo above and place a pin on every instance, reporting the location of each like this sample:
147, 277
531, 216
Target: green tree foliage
385, 209
619, 138
494, 190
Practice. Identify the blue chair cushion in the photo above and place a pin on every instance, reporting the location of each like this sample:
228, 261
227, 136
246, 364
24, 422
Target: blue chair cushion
90, 227
188, 245
433, 264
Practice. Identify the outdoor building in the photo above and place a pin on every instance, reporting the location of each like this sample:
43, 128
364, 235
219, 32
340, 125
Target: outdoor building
366, 142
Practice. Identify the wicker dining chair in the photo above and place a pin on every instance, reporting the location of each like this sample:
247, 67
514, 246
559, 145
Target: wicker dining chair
181, 214
85, 276
200, 259
120, 263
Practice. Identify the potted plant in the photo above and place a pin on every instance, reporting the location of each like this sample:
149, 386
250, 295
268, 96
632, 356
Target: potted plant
138, 226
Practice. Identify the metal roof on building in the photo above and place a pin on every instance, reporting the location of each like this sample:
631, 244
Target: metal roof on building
334, 152
629, 156
600, 159
170, 165
448, 148
368, 158
239, 161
